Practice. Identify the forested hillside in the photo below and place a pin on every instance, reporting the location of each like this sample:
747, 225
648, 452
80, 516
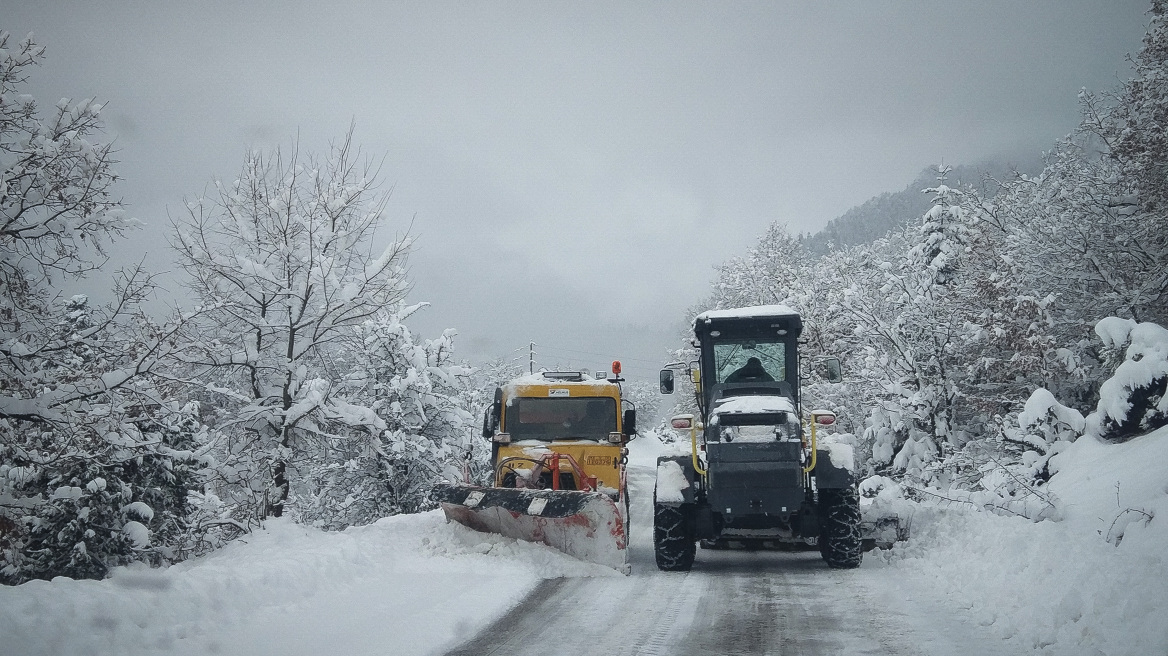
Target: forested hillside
975, 327
893, 210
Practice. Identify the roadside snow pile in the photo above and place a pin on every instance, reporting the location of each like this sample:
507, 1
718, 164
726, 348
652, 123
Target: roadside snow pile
410, 584
644, 451
1095, 582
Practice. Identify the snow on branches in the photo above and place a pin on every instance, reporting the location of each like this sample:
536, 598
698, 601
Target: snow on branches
95, 462
401, 425
1134, 400
320, 392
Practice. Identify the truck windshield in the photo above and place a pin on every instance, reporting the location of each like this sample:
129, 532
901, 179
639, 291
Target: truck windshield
576, 418
749, 361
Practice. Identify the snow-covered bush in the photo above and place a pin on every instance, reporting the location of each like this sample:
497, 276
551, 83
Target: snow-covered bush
1134, 400
109, 498
400, 428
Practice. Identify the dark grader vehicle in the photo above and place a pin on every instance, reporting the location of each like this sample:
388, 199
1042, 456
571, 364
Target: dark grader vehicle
756, 475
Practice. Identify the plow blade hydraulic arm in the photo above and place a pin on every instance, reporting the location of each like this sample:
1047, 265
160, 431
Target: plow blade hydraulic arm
587, 525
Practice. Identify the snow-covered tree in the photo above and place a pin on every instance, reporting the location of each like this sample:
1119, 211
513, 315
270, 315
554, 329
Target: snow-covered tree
768, 274
95, 465
1093, 227
283, 262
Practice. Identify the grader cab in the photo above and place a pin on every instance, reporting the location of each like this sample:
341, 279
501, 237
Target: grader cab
757, 476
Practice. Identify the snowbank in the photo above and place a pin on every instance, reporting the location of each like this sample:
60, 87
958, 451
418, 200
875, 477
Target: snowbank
1095, 582
647, 447
410, 584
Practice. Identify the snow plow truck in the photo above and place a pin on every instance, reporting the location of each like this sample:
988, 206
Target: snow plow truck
758, 475
558, 450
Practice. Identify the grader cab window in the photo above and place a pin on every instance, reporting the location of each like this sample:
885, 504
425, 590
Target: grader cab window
750, 361
578, 418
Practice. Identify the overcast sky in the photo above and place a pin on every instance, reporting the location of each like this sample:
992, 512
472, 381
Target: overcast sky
573, 171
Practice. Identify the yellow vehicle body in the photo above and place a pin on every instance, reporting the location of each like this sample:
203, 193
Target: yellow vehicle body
558, 452
601, 459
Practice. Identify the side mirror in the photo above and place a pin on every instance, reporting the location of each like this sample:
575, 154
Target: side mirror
492, 415
832, 370
490, 422
630, 421
667, 381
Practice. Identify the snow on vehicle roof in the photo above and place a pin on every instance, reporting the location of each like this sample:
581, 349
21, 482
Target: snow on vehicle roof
753, 405
748, 312
539, 379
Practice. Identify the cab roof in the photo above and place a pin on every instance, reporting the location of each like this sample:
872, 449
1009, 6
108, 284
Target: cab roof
750, 320
577, 384
753, 311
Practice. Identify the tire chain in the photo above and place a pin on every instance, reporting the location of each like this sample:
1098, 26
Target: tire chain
673, 547
839, 516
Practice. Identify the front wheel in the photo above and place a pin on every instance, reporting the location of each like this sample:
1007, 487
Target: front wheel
839, 528
673, 546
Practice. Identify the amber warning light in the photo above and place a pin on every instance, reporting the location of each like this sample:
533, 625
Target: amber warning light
616, 368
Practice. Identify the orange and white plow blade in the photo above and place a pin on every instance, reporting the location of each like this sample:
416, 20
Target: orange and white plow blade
587, 525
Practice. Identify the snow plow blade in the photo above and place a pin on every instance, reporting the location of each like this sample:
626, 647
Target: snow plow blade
586, 525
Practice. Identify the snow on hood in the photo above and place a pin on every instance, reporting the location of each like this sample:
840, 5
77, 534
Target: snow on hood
737, 405
752, 311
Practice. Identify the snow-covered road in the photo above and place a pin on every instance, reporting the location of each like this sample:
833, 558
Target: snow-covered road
732, 602
968, 582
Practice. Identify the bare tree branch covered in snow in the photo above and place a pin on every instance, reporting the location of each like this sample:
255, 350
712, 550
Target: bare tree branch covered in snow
282, 260
95, 460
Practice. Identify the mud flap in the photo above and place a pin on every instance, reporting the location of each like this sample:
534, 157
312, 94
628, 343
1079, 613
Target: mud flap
587, 525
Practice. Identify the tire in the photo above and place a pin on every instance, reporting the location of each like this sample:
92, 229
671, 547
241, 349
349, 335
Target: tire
673, 546
839, 528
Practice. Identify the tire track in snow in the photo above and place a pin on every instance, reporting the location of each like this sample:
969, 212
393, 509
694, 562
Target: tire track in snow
732, 602
678, 616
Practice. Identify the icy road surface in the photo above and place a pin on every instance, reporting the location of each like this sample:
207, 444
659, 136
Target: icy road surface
732, 602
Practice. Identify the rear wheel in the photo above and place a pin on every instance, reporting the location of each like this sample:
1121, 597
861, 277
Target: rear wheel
673, 546
839, 528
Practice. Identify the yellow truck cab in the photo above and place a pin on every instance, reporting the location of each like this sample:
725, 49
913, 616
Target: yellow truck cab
560, 421
558, 453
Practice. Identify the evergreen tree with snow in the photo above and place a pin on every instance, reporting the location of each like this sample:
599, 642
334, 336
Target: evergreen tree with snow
95, 463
